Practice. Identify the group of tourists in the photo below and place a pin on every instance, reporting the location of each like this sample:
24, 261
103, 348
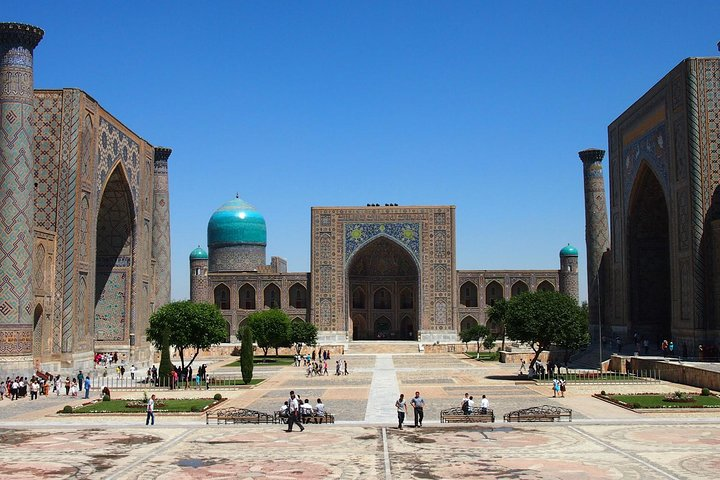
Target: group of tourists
316, 364
418, 405
467, 404
106, 359
297, 412
45, 384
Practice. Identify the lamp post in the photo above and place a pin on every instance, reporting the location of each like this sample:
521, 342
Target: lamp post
599, 321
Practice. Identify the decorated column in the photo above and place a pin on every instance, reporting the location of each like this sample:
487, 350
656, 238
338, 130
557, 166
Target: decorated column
17, 42
161, 227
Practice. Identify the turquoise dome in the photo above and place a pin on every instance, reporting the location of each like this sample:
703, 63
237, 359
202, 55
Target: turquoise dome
236, 223
198, 254
569, 251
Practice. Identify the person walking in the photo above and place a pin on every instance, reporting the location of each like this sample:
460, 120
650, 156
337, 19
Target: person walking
150, 420
562, 387
418, 404
401, 408
294, 412
522, 367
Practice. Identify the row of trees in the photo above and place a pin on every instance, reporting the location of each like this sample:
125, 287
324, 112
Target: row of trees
190, 327
540, 319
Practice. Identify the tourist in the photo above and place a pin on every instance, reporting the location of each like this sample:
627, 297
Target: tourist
58, 385
293, 413
3, 390
337, 367
132, 372
34, 389
306, 411
284, 412
14, 389
67, 386
150, 411
401, 408
484, 404
418, 404
80, 378
671, 348
464, 405
325, 370
646, 345
522, 367
664, 348
346, 369
562, 387
87, 387
106, 392
319, 408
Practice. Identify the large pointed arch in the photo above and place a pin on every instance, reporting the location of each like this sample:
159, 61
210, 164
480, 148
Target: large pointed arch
518, 288
114, 246
648, 249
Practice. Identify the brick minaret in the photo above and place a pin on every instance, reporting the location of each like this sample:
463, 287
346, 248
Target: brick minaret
161, 227
569, 272
17, 196
596, 223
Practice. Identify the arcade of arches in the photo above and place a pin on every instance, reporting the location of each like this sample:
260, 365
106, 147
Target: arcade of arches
383, 282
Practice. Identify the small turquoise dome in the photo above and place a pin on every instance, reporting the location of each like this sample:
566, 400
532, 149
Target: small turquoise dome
198, 254
236, 223
569, 251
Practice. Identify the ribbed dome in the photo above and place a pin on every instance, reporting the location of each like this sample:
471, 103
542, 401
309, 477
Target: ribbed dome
198, 254
236, 223
569, 251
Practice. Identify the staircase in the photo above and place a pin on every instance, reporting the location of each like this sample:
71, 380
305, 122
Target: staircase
372, 347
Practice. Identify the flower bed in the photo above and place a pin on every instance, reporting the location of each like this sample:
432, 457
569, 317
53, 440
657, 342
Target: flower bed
170, 405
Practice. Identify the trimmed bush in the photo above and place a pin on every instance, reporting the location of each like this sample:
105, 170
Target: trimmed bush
67, 409
217, 397
636, 405
106, 398
194, 408
705, 392
602, 392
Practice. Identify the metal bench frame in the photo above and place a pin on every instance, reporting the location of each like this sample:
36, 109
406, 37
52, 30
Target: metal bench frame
543, 413
457, 415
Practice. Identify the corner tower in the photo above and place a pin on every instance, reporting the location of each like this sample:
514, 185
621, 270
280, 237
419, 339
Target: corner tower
161, 227
569, 272
596, 224
198, 275
17, 42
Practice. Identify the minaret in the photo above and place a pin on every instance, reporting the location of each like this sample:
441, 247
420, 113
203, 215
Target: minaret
596, 223
198, 275
17, 195
161, 227
569, 272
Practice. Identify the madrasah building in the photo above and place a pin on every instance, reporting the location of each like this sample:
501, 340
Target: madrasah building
377, 273
84, 213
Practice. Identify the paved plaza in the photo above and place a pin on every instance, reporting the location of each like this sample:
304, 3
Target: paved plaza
603, 441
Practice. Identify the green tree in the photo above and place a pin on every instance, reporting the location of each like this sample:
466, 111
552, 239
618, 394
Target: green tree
476, 333
302, 333
542, 319
270, 328
246, 354
189, 327
496, 315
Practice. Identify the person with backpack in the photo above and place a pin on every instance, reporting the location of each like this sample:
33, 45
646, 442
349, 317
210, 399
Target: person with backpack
465, 404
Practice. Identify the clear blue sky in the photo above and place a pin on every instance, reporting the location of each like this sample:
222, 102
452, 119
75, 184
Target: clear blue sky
294, 104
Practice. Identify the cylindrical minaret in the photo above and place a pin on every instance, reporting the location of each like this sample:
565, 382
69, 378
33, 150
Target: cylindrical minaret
198, 275
596, 223
17, 42
161, 227
569, 272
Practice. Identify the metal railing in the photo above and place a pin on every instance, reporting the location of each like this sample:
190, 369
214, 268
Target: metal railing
113, 382
576, 377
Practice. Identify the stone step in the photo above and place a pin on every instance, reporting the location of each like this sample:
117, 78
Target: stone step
379, 346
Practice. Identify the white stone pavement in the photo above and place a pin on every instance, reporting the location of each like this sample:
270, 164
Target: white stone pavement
384, 390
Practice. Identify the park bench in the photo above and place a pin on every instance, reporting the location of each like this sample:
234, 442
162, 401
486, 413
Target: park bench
326, 418
456, 415
543, 413
239, 415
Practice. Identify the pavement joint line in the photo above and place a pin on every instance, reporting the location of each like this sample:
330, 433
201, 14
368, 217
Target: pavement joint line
151, 453
386, 453
623, 453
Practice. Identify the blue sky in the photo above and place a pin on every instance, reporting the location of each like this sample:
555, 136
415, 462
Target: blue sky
295, 104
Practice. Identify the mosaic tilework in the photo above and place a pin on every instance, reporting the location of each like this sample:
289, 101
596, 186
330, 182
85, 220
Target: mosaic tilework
16, 208
161, 227
114, 145
652, 148
48, 117
359, 234
110, 310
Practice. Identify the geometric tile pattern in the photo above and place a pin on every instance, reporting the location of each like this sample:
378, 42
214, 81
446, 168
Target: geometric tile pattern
651, 148
161, 226
359, 234
111, 307
48, 116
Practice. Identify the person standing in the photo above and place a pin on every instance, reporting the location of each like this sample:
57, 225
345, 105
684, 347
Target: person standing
294, 412
132, 372
562, 387
418, 404
80, 379
87, 387
34, 389
150, 420
401, 408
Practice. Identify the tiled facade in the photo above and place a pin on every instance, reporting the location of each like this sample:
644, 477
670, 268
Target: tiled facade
661, 277
82, 266
376, 273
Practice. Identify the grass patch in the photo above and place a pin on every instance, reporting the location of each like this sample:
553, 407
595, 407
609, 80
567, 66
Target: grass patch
171, 406
486, 356
270, 360
648, 400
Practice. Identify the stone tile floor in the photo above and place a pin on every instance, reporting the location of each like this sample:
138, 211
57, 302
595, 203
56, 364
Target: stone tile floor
603, 441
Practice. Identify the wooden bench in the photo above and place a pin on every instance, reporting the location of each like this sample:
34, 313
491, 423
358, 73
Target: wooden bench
326, 418
457, 415
238, 415
543, 413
